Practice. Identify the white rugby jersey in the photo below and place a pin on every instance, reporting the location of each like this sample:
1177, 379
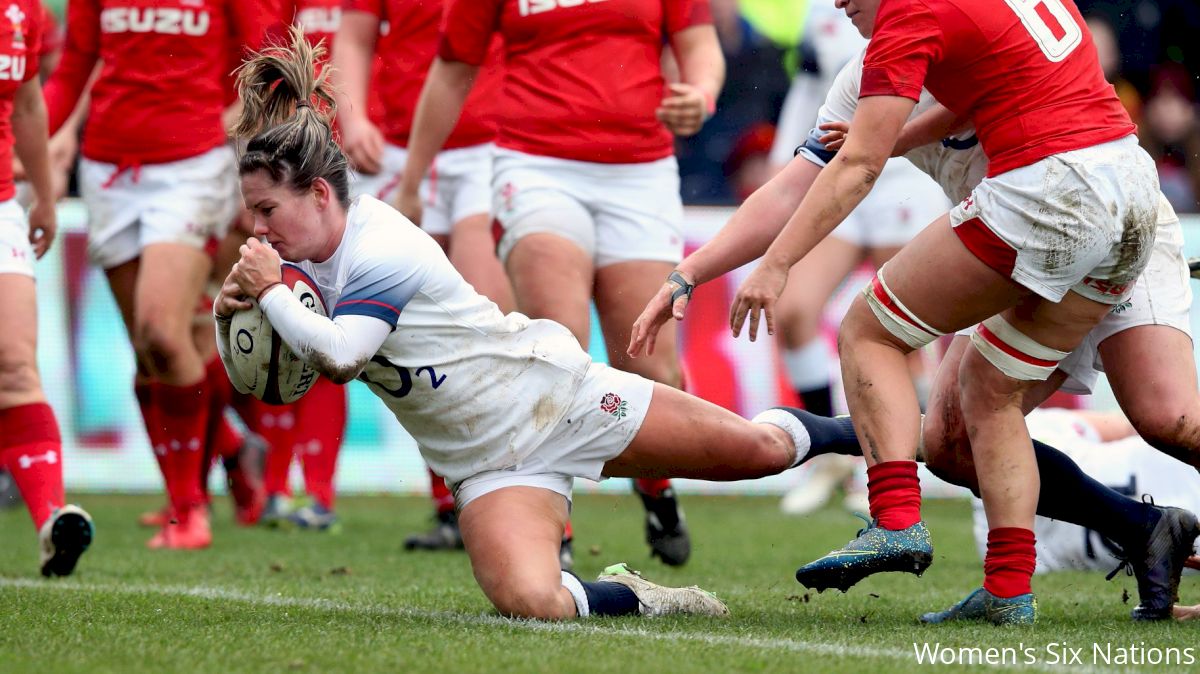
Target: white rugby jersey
477, 389
956, 164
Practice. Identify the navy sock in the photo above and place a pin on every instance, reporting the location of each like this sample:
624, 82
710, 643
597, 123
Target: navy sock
1071, 495
609, 598
826, 435
818, 401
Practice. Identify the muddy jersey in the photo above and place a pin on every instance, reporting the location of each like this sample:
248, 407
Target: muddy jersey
477, 389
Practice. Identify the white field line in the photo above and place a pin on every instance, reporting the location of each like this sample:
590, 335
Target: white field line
576, 627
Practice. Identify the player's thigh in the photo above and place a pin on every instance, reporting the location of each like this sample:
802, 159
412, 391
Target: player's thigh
621, 290
811, 282
170, 278
552, 278
19, 382
473, 254
512, 536
1152, 371
935, 279
122, 282
685, 436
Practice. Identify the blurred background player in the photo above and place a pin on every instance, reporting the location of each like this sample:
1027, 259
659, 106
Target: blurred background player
902, 202
585, 187
30, 444
158, 181
383, 52
312, 428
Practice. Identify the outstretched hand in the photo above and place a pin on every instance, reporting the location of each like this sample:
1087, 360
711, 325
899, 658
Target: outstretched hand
658, 311
757, 297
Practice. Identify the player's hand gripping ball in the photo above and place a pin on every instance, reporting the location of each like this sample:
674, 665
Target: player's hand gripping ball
267, 366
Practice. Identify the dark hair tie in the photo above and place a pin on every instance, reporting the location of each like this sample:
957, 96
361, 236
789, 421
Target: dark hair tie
303, 104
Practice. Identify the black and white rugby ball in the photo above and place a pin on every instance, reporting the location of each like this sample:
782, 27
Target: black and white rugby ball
273, 372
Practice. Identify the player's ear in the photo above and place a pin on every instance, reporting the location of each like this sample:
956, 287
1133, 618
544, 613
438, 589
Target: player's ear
322, 193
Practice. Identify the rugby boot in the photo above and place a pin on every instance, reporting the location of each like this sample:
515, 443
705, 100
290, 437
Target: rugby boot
1159, 561
874, 550
63, 538
276, 511
155, 519
666, 531
443, 536
315, 517
984, 606
191, 531
1194, 267
657, 600
243, 476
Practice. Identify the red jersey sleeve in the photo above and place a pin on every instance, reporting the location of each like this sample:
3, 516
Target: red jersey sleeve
33, 44
467, 28
680, 14
369, 6
907, 39
52, 33
79, 57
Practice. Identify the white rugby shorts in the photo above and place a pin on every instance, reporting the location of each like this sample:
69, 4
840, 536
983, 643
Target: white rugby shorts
1083, 220
606, 413
187, 201
16, 253
614, 212
458, 186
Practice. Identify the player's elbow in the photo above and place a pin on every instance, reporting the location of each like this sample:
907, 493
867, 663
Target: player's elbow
865, 165
336, 370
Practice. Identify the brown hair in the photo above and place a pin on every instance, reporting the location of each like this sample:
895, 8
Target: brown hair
287, 112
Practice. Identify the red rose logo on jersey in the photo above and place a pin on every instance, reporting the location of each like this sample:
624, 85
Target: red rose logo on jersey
612, 404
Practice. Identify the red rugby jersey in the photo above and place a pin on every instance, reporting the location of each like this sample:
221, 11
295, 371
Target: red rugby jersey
20, 45
1025, 70
581, 79
164, 81
318, 18
406, 47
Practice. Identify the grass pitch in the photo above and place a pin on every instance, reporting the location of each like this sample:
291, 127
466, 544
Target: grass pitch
262, 600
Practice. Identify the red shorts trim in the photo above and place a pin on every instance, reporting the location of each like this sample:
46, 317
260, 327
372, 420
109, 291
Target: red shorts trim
1012, 351
987, 246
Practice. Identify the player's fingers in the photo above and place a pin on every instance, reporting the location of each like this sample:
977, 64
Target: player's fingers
835, 144
651, 340
769, 314
754, 314
844, 127
679, 307
737, 315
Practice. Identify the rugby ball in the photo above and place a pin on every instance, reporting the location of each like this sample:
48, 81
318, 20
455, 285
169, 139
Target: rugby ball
273, 372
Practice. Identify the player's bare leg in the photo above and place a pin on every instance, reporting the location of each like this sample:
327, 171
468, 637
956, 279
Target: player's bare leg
620, 289
169, 280
1152, 370
473, 254
552, 278
883, 401
512, 536
31, 447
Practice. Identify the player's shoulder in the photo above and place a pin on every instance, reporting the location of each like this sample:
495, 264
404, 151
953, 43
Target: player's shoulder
376, 232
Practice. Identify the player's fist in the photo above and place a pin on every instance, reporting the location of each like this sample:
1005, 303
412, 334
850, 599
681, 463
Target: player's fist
684, 109
258, 269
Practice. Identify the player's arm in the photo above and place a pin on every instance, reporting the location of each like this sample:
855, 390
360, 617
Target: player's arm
837, 191
353, 56
80, 55
744, 238
31, 146
701, 63
928, 127
438, 109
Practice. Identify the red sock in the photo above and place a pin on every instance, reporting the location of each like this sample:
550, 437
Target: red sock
181, 429
443, 500
144, 391
1010, 561
223, 441
274, 424
320, 425
31, 450
652, 487
894, 492
568, 531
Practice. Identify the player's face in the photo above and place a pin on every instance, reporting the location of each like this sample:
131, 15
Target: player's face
286, 219
861, 14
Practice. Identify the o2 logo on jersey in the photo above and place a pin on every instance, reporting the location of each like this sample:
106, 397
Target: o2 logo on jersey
528, 7
1051, 25
396, 380
161, 20
12, 67
319, 19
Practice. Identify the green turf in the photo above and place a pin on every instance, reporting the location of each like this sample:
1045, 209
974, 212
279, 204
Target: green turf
262, 600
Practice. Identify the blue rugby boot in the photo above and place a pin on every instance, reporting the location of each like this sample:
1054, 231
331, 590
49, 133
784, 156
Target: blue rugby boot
875, 550
984, 606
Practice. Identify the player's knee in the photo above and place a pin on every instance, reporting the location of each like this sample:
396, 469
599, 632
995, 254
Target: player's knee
542, 601
861, 327
159, 343
1170, 425
770, 453
18, 372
